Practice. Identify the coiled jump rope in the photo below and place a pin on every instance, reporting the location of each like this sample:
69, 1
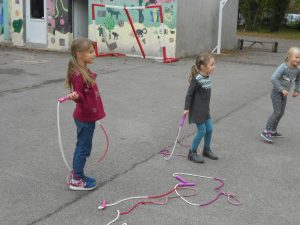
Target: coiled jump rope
182, 185
62, 100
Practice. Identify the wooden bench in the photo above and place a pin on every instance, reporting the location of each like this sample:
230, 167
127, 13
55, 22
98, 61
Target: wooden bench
274, 44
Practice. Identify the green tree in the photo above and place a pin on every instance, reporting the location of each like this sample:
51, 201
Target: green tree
294, 6
254, 12
278, 10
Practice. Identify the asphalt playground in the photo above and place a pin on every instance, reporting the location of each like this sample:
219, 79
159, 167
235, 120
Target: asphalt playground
144, 101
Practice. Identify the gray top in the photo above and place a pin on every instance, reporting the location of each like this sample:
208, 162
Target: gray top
284, 77
198, 98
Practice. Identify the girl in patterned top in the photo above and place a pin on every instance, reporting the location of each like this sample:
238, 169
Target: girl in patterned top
197, 106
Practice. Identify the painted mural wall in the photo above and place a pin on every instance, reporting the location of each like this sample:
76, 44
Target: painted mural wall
59, 36
58, 24
113, 33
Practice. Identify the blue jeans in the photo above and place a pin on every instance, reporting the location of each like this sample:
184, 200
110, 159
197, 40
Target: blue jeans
85, 133
204, 130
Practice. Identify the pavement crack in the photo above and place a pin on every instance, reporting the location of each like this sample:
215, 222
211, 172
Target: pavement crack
254, 63
35, 86
241, 106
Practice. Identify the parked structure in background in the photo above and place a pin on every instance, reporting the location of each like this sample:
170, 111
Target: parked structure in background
292, 18
189, 26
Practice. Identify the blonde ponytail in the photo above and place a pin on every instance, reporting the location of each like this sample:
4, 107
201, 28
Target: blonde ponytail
79, 45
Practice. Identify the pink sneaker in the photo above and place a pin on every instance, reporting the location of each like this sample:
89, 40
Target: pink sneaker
81, 185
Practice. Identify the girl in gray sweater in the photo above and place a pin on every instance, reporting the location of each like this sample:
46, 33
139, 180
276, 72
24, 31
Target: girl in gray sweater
283, 78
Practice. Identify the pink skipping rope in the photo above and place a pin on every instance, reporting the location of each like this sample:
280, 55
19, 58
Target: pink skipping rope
183, 184
64, 99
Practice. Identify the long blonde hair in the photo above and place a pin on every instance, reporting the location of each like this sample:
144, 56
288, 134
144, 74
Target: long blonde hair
201, 59
290, 53
79, 45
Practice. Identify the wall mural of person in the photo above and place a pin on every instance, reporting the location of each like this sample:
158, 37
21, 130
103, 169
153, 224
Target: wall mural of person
62, 16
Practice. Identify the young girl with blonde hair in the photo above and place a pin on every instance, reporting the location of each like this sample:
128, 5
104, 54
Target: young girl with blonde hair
282, 79
89, 108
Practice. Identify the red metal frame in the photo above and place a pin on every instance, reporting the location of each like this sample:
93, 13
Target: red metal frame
164, 51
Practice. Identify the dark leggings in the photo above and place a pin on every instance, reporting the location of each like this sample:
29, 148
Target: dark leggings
279, 103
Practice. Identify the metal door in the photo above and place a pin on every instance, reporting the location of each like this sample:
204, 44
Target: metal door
36, 24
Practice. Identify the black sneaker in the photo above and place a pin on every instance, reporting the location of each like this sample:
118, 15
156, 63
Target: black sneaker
192, 156
207, 152
276, 135
267, 136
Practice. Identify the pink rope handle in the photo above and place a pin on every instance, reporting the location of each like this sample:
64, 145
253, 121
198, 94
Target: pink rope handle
181, 123
180, 178
182, 120
63, 99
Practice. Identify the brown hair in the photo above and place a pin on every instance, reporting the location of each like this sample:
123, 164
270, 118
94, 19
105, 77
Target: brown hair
291, 52
79, 45
201, 59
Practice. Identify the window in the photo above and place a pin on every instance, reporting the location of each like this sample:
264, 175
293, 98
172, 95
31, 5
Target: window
37, 9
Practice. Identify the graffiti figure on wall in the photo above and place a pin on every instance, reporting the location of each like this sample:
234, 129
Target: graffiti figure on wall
113, 12
154, 16
61, 17
101, 31
116, 35
51, 17
17, 25
141, 32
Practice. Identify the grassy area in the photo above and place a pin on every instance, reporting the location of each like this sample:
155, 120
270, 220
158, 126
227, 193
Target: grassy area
283, 33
